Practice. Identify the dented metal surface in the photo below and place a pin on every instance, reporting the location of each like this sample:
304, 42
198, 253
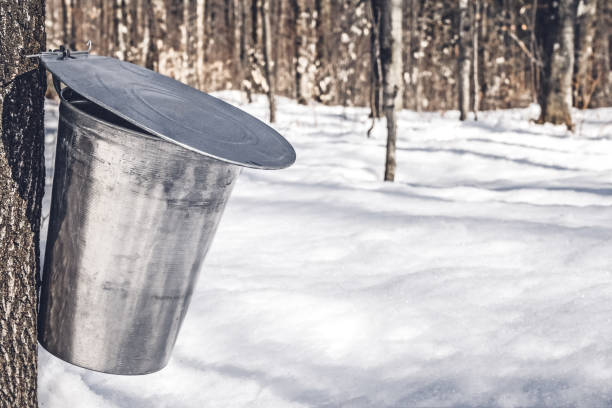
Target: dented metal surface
132, 218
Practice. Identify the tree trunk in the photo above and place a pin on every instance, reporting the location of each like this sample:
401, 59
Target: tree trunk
586, 32
390, 37
200, 44
464, 60
557, 32
267, 57
604, 68
475, 31
184, 28
65, 32
76, 21
375, 69
320, 51
297, 44
22, 176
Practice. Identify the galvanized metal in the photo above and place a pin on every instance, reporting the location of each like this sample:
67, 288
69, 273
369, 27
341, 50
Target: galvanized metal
132, 218
173, 110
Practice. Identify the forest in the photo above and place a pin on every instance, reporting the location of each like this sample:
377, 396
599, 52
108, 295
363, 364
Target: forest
474, 55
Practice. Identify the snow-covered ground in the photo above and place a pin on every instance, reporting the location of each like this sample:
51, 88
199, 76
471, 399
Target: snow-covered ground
482, 277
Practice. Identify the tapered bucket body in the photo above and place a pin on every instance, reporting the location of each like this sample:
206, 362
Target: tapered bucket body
132, 217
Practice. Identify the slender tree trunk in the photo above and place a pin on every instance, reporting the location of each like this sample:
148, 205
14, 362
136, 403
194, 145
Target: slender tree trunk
200, 44
397, 64
464, 60
244, 54
604, 55
320, 58
475, 31
297, 44
413, 56
375, 70
535, 69
556, 96
76, 21
65, 32
267, 56
586, 14
184, 72
390, 29
486, 54
132, 34
237, 43
102, 29
22, 176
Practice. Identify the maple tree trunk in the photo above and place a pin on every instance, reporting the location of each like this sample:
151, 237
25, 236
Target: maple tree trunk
22, 178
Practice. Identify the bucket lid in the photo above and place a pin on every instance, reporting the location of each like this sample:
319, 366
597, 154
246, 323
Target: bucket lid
174, 111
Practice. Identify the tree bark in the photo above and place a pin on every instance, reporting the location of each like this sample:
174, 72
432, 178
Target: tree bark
200, 44
475, 32
22, 176
464, 60
375, 69
557, 32
587, 10
267, 57
390, 37
297, 44
321, 59
65, 32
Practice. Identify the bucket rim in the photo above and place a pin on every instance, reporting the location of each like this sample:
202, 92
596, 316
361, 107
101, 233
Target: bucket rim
69, 104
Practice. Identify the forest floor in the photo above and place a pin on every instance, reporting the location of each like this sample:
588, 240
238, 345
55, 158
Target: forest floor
481, 277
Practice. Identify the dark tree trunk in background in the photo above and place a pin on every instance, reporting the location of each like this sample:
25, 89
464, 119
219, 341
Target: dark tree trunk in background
586, 14
200, 41
463, 79
22, 176
556, 28
298, 42
320, 58
475, 32
390, 37
267, 56
603, 57
151, 52
375, 71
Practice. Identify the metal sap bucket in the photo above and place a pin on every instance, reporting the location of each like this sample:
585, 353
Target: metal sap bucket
144, 168
132, 217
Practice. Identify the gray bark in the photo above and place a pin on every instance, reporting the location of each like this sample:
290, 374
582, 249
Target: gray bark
475, 32
556, 96
298, 42
390, 35
267, 57
464, 60
587, 10
375, 69
22, 177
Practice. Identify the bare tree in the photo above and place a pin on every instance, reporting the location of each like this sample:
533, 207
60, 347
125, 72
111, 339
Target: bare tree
557, 32
475, 17
586, 14
22, 176
375, 70
390, 35
267, 57
464, 60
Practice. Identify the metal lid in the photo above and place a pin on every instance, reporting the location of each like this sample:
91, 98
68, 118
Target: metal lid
174, 111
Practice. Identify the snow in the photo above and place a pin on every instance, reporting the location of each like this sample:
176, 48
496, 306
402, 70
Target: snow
480, 278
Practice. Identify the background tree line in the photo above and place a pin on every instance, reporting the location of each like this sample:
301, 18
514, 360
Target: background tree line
484, 54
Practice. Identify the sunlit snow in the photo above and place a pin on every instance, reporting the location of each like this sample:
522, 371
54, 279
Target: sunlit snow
482, 277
